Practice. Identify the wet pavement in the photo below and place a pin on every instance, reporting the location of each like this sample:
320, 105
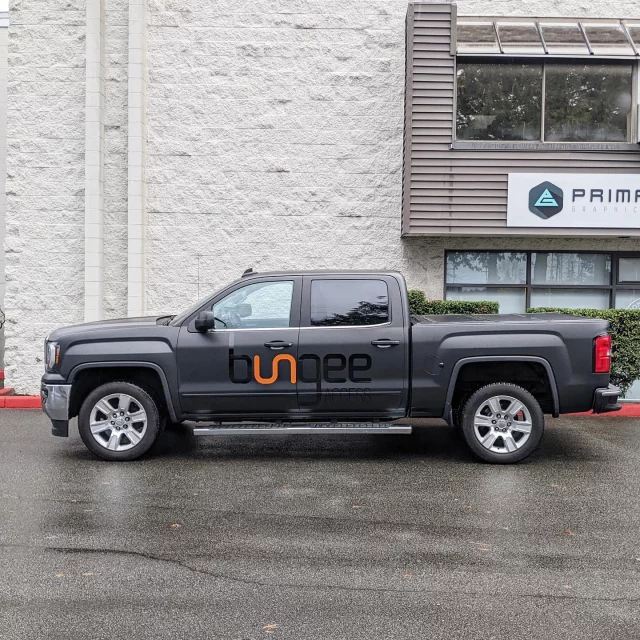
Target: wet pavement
297, 537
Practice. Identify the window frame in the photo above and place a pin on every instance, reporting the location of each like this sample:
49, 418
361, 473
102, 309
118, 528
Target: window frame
633, 133
613, 287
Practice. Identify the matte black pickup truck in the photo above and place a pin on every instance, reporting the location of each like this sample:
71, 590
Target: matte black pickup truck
323, 352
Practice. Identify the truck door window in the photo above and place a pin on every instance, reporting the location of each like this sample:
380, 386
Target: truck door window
262, 305
339, 303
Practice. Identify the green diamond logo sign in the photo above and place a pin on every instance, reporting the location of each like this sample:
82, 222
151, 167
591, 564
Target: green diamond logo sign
545, 200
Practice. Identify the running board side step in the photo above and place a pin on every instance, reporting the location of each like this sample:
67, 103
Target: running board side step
259, 428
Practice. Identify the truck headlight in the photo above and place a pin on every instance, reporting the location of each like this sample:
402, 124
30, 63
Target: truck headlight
51, 355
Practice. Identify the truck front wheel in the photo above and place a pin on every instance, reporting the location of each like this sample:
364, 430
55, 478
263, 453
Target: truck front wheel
119, 421
502, 423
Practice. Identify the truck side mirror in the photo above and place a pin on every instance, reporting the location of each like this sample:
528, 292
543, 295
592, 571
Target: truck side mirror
205, 321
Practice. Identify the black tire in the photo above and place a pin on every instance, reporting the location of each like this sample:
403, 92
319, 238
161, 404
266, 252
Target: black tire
142, 399
503, 439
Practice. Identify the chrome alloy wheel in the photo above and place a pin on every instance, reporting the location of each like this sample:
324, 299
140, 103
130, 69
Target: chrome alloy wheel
502, 424
118, 422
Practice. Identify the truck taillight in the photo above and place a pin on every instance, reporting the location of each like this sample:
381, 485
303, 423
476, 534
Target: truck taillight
602, 354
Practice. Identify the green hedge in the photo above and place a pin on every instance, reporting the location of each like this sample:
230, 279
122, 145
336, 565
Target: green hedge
420, 306
624, 326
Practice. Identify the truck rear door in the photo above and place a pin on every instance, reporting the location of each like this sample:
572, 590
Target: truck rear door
353, 347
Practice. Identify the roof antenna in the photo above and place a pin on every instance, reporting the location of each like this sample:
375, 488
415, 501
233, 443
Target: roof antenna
248, 272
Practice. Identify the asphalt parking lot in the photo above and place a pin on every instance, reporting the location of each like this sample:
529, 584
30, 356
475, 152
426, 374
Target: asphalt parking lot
327, 537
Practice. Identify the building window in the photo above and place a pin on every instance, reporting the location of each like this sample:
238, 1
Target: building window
545, 102
519, 280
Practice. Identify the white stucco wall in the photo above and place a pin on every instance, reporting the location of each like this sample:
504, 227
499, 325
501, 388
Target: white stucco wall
274, 132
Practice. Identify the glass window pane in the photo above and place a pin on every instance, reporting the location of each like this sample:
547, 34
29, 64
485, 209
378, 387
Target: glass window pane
520, 37
485, 267
629, 270
627, 299
634, 32
510, 300
349, 302
477, 37
571, 298
607, 39
257, 306
565, 38
571, 268
588, 102
499, 101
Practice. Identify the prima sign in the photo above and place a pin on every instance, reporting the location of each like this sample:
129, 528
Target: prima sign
576, 201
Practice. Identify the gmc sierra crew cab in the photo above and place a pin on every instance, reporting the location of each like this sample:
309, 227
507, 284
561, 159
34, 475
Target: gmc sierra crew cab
323, 352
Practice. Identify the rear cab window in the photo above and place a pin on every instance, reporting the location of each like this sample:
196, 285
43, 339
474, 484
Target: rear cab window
344, 302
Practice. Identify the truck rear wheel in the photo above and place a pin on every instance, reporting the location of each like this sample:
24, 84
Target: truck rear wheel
502, 423
119, 421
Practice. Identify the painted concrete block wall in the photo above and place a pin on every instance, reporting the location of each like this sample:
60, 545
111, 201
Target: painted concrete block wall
44, 241
115, 162
4, 40
284, 146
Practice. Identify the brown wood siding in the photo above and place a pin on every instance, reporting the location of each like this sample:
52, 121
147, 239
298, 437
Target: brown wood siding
464, 192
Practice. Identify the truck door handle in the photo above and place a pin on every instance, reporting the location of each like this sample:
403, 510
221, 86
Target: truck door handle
276, 345
385, 343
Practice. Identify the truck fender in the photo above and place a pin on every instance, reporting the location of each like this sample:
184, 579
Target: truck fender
447, 414
131, 363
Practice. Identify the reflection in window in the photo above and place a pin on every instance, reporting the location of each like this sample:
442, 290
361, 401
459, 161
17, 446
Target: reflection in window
486, 267
629, 270
499, 101
257, 306
510, 300
571, 298
337, 303
628, 299
588, 103
571, 268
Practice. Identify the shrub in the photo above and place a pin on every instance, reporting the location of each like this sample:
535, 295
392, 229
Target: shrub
624, 327
420, 306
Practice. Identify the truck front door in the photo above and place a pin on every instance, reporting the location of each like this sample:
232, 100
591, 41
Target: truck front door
353, 351
246, 365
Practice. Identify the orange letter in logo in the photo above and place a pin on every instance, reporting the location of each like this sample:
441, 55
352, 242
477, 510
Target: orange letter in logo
274, 368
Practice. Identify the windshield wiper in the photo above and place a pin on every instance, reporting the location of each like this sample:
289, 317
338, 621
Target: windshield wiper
165, 320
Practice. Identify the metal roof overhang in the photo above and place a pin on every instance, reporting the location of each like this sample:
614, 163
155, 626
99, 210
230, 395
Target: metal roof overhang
548, 37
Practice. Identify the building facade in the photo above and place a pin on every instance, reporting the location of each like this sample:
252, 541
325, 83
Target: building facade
157, 148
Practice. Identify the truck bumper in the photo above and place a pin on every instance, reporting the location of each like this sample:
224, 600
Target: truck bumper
55, 403
605, 400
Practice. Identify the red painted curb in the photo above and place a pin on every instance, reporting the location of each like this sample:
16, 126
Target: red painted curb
20, 402
1, 374
629, 410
